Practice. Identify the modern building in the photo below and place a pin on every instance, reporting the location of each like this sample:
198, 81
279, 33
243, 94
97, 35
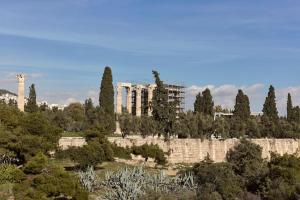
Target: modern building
7, 96
230, 114
139, 97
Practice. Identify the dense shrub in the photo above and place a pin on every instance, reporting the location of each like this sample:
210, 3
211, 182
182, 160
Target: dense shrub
218, 179
24, 135
36, 164
120, 152
10, 174
246, 160
50, 184
92, 154
283, 179
150, 151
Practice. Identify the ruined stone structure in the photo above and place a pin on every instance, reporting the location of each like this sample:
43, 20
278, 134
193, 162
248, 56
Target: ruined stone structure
21, 92
66, 142
191, 151
139, 97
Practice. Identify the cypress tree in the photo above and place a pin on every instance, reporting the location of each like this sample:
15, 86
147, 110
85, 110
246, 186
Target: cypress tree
296, 114
270, 109
31, 104
198, 104
159, 100
289, 108
163, 112
106, 97
207, 102
242, 106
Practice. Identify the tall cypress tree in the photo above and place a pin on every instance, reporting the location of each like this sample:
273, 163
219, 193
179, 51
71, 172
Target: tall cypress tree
289, 108
159, 100
163, 111
242, 106
208, 103
270, 109
31, 104
106, 97
198, 104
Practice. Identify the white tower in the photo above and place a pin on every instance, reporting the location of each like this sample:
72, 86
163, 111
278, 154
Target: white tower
21, 91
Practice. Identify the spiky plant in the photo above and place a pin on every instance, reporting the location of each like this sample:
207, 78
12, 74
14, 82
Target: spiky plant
129, 184
88, 178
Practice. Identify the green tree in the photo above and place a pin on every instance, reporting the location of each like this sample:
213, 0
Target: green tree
75, 115
164, 112
36, 164
31, 105
198, 103
52, 183
204, 103
106, 97
208, 103
242, 106
148, 126
296, 114
23, 135
270, 109
283, 179
90, 113
246, 159
289, 108
217, 181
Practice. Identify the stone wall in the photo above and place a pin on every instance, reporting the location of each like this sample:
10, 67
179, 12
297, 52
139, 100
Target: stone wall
194, 150
65, 142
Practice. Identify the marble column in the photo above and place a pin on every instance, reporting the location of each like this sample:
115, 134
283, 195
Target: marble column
119, 98
21, 91
150, 96
138, 100
129, 99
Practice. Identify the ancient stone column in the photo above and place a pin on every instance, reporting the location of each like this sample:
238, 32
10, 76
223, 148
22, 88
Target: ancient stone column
21, 91
150, 97
119, 98
129, 99
138, 100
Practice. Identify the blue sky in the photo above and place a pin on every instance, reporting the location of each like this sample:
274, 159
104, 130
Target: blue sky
63, 45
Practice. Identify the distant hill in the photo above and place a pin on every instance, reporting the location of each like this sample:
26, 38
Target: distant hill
3, 91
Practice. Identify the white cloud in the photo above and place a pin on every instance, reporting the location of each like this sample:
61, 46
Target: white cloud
224, 95
93, 94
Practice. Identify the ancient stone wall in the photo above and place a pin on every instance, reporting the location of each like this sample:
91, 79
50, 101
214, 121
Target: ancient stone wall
194, 150
65, 142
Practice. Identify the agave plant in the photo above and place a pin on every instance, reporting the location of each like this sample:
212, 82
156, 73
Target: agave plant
129, 184
88, 178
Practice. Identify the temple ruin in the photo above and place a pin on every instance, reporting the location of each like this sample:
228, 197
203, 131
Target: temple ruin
139, 97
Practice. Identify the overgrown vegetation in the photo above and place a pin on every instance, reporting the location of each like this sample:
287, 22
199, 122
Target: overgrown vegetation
137, 183
247, 176
27, 170
150, 151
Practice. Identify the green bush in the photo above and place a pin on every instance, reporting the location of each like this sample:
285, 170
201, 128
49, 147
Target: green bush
92, 154
50, 184
10, 174
36, 164
120, 152
150, 151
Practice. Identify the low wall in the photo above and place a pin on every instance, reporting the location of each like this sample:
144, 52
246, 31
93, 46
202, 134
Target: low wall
195, 150
65, 142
